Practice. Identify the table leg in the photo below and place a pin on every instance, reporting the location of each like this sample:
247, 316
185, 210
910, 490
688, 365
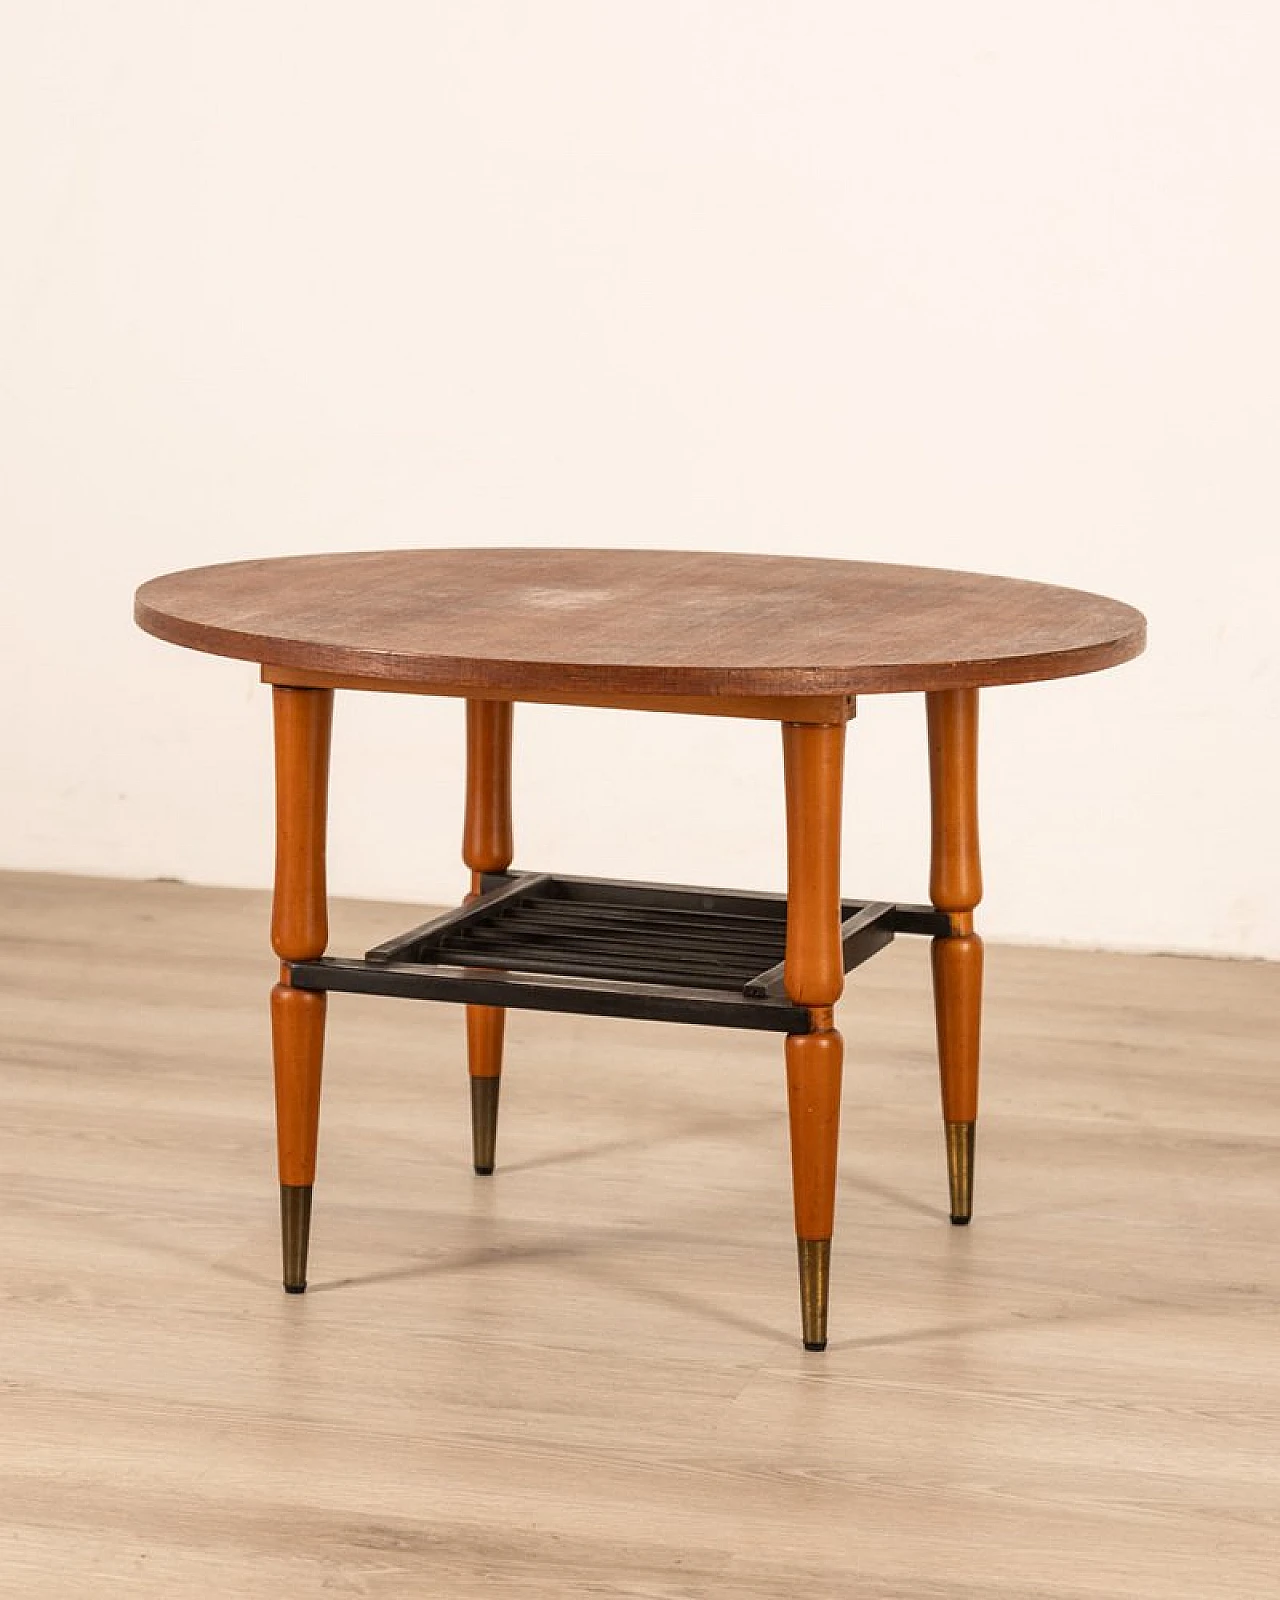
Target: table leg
299, 932
487, 846
813, 973
955, 886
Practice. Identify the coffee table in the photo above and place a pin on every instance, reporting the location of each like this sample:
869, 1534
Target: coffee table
782, 639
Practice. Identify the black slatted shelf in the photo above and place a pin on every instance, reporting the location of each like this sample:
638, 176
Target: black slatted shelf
558, 943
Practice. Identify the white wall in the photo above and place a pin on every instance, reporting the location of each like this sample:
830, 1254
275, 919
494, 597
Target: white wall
985, 285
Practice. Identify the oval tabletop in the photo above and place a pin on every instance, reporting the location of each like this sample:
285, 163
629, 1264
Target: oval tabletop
647, 622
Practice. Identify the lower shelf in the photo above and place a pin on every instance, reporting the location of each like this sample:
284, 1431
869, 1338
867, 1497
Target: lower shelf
666, 952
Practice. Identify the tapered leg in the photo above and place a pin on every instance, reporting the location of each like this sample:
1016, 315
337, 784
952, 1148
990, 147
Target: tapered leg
955, 885
813, 759
299, 932
814, 1063
487, 846
485, 1028
297, 1036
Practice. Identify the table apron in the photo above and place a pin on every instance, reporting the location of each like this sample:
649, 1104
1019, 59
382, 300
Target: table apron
822, 709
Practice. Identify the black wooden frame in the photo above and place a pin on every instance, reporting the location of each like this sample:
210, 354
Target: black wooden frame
608, 947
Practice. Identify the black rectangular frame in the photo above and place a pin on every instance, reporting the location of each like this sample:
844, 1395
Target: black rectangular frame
611, 947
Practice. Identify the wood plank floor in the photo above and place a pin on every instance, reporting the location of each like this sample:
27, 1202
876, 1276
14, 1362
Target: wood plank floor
583, 1376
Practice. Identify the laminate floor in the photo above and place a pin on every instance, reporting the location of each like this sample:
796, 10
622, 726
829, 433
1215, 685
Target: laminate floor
583, 1376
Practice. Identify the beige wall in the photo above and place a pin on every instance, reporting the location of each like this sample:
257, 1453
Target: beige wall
985, 285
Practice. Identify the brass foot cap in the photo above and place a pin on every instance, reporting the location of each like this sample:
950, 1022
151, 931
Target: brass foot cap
295, 1231
484, 1123
960, 1142
815, 1268
961, 1222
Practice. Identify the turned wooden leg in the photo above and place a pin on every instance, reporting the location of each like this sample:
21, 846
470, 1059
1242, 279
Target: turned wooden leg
299, 932
955, 886
486, 847
813, 760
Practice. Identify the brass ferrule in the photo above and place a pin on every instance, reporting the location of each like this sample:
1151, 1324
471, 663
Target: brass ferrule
484, 1123
960, 1143
295, 1232
815, 1282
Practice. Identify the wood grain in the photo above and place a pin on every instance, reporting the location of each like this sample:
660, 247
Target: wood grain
955, 864
814, 1078
813, 972
488, 844
581, 1377
488, 841
303, 719
761, 708
813, 776
638, 622
297, 1036
955, 886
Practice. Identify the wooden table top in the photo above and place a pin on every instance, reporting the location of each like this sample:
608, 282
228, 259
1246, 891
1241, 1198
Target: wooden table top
639, 622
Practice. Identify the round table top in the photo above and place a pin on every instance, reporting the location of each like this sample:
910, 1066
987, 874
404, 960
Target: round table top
642, 622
